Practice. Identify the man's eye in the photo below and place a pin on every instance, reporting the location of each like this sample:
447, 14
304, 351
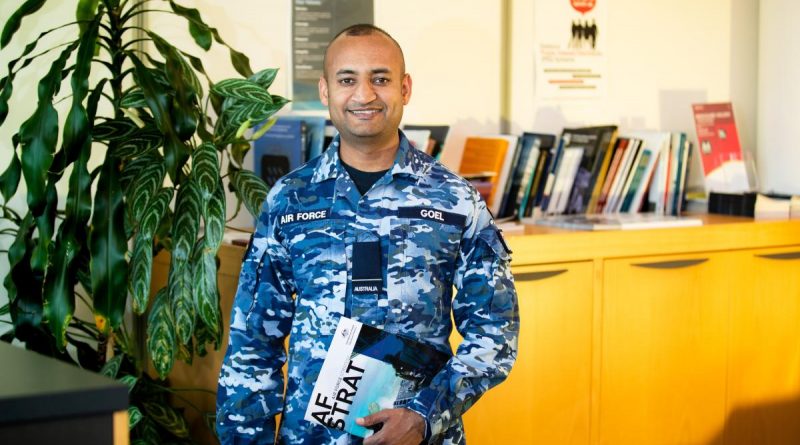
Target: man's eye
380, 80
346, 81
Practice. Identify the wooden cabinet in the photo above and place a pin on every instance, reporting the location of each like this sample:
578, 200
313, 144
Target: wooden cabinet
665, 325
764, 360
546, 398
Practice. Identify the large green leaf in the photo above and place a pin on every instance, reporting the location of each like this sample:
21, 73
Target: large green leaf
39, 135
161, 334
144, 187
23, 284
197, 28
76, 127
240, 62
205, 168
108, 245
181, 288
251, 189
240, 111
61, 277
167, 417
141, 265
215, 218
85, 12
188, 210
242, 89
12, 25
264, 78
9, 180
158, 101
181, 77
206, 296
133, 99
140, 143
45, 224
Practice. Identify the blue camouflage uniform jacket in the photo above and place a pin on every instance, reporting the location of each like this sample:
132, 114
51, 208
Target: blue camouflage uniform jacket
434, 232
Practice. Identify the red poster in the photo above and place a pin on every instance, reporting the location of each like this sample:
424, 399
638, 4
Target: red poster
719, 148
583, 6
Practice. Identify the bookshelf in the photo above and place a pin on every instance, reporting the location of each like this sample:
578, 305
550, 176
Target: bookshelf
707, 355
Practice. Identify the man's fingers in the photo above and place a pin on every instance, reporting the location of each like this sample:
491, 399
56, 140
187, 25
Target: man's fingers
372, 419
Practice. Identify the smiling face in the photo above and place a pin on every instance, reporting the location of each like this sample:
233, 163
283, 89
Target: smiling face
365, 88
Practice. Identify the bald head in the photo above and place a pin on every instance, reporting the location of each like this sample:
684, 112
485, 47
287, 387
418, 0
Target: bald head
360, 30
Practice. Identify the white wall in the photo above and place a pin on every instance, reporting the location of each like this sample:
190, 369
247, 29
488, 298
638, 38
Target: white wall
779, 96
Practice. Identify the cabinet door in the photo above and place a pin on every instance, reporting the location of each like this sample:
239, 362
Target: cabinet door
546, 398
665, 322
764, 386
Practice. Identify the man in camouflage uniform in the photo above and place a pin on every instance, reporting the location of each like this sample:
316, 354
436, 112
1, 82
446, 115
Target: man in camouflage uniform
377, 231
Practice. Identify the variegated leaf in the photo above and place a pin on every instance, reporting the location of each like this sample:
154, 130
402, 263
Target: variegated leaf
114, 130
161, 334
141, 267
134, 416
167, 417
132, 168
133, 99
155, 211
111, 368
129, 381
144, 187
264, 78
242, 89
187, 221
206, 299
180, 290
205, 168
215, 218
251, 189
141, 142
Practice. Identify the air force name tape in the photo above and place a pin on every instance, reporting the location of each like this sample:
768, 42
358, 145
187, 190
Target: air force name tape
311, 215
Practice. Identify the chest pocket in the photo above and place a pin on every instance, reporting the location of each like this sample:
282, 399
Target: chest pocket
423, 256
319, 267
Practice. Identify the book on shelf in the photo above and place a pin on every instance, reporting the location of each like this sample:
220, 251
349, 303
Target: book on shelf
720, 152
549, 179
621, 176
280, 150
621, 221
595, 143
616, 160
534, 188
523, 167
654, 145
489, 154
438, 134
367, 370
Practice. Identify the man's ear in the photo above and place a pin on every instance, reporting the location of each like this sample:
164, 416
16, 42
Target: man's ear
323, 91
405, 89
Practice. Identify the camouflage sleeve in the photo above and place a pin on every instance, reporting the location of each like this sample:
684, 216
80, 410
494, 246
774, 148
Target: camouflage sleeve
486, 314
250, 391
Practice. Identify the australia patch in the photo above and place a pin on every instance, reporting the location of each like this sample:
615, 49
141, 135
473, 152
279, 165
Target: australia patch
432, 214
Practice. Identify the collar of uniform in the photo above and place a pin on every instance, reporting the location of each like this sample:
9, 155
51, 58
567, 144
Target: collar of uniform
407, 161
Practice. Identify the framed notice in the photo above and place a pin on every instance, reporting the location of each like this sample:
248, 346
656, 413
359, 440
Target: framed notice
570, 37
314, 24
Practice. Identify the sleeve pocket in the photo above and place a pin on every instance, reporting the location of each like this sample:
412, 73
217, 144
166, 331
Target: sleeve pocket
497, 246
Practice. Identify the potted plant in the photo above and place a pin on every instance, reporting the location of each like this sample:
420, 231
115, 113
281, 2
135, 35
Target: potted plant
163, 135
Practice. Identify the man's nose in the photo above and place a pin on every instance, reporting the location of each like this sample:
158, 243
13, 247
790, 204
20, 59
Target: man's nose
365, 93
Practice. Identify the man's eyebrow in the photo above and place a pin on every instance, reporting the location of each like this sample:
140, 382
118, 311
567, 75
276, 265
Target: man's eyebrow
350, 72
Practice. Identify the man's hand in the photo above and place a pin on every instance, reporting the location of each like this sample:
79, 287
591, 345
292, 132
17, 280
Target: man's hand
400, 427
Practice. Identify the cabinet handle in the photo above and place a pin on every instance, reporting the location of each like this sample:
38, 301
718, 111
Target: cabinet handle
536, 276
671, 264
781, 256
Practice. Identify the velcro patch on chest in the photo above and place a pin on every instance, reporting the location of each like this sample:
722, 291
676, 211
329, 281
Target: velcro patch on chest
432, 214
306, 216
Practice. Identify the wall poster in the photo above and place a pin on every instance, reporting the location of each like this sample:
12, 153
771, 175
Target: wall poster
314, 23
570, 40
